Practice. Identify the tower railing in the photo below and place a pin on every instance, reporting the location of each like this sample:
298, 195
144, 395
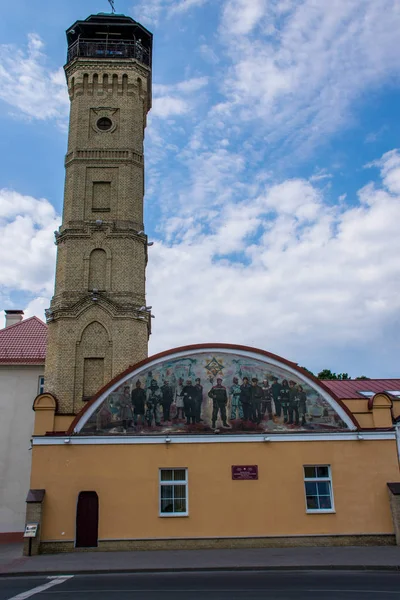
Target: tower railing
93, 48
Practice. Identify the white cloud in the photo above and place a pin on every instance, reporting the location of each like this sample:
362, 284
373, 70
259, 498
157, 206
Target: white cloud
187, 86
301, 281
27, 243
241, 16
168, 101
36, 307
297, 67
320, 175
183, 6
208, 54
166, 106
151, 11
29, 86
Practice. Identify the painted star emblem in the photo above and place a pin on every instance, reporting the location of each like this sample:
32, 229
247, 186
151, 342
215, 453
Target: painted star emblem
214, 366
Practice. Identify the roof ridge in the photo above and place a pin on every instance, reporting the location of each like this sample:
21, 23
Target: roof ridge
33, 318
362, 380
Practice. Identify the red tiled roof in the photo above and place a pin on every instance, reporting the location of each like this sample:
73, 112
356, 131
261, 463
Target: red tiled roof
349, 388
24, 342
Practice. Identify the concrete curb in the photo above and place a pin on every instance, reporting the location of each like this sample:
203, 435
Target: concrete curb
200, 569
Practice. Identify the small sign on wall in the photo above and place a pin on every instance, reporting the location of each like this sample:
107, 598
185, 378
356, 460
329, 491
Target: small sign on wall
31, 530
244, 472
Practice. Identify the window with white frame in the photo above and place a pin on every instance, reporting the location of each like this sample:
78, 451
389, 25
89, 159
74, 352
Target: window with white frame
173, 493
41, 385
318, 488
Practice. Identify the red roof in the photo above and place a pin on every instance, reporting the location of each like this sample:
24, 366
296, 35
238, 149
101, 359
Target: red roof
350, 388
24, 342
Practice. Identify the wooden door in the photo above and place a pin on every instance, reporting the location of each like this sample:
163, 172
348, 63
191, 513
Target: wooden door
87, 520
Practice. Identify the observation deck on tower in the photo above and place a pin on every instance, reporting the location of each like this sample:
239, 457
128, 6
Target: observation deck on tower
109, 36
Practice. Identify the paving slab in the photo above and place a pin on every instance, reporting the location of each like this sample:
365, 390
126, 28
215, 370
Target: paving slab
354, 557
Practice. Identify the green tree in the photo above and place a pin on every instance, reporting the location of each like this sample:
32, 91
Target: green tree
327, 374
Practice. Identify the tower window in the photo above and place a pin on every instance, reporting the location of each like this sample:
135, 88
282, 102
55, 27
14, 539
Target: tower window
104, 124
101, 200
97, 269
93, 376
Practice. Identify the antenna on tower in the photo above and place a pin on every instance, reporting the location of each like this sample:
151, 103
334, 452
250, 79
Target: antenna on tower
112, 6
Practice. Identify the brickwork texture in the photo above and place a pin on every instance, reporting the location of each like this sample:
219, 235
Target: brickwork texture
96, 327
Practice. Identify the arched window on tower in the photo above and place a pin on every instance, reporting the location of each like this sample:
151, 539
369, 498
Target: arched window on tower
93, 348
97, 269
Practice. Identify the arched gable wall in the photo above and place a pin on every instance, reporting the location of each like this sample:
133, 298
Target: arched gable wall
271, 361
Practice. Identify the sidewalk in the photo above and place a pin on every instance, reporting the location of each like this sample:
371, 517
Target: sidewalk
372, 557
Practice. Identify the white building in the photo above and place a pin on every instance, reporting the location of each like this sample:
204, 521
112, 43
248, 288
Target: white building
22, 356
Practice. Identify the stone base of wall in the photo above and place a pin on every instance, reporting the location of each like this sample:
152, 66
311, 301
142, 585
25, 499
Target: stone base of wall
217, 543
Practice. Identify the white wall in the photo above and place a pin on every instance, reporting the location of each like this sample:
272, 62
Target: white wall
18, 389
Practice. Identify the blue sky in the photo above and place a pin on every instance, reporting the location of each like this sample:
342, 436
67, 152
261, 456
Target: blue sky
272, 172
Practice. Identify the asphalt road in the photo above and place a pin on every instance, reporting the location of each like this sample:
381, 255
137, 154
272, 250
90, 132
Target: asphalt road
247, 585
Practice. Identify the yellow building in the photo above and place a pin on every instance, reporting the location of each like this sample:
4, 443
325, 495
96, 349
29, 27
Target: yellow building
209, 445
132, 470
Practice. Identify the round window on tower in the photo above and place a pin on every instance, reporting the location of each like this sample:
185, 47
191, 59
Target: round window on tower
104, 124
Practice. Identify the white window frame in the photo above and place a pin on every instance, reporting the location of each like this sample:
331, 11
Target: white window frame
173, 482
41, 384
328, 479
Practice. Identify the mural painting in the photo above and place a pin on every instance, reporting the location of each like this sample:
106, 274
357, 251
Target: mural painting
213, 393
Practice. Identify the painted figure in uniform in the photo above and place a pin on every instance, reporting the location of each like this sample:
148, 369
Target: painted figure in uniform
257, 397
167, 399
199, 399
245, 398
138, 399
179, 399
266, 404
104, 417
220, 400
189, 394
284, 397
236, 405
153, 404
149, 379
125, 408
276, 390
302, 404
293, 403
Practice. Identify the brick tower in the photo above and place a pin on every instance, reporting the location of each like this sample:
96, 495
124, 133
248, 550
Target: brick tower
97, 321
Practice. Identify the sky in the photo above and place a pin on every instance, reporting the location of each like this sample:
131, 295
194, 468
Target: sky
272, 172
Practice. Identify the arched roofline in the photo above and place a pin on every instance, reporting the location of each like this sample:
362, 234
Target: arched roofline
209, 346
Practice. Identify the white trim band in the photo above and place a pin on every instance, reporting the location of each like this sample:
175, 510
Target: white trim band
99, 440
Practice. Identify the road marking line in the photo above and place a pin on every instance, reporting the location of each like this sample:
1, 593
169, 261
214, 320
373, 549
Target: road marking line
226, 591
41, 588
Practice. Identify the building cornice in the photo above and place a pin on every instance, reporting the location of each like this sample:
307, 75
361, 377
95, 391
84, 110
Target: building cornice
95, 440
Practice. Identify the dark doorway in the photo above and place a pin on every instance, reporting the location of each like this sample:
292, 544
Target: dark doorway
87, 520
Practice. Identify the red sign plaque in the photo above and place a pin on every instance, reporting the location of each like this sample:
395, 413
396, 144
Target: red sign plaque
247, 472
